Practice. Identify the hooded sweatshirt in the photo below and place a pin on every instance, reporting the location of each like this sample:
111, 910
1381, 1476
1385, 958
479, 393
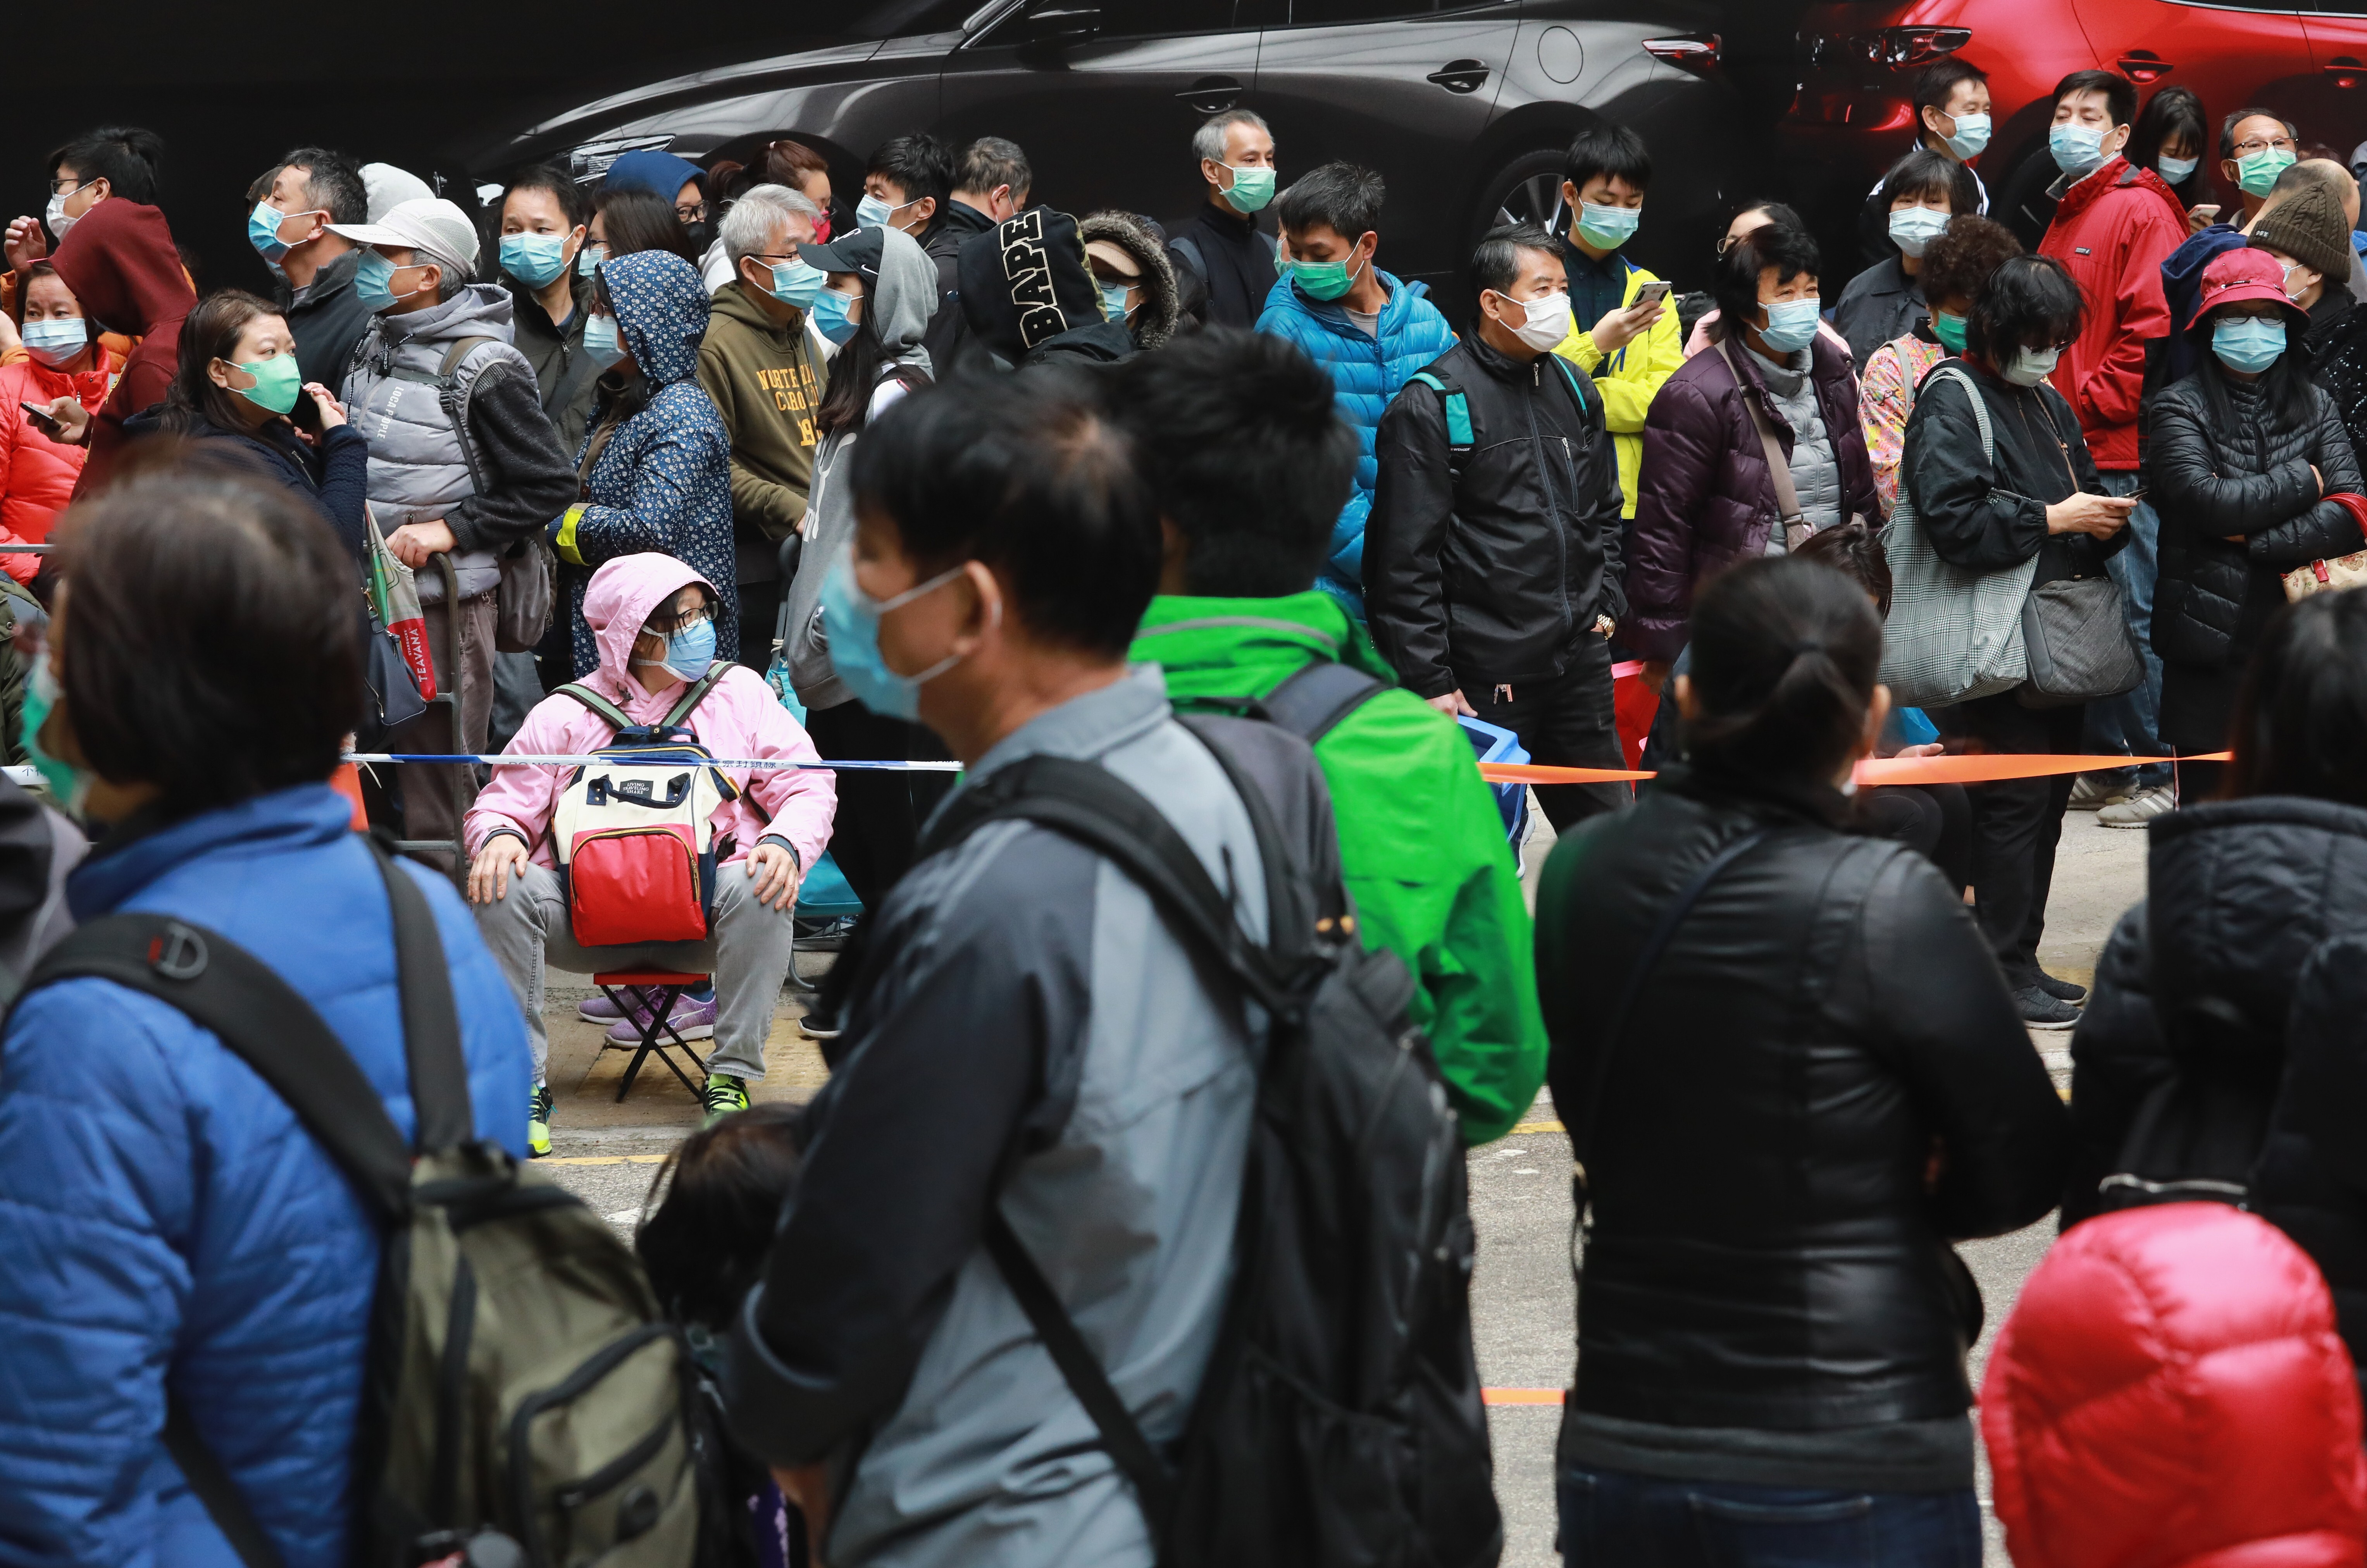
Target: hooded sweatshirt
655, 468
738, 719
900, 301
767, 382
1028, 294
120, 263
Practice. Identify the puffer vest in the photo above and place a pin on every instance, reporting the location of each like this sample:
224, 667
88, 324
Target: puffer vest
419, 456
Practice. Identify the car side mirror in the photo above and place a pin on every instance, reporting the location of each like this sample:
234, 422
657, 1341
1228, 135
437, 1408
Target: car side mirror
1057, 24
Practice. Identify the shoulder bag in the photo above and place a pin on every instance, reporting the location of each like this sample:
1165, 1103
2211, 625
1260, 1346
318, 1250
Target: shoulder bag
2075, 632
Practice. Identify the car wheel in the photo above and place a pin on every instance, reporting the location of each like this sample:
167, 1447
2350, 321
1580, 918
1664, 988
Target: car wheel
1526, 190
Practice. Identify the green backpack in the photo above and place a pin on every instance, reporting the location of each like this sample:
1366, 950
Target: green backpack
520, 1378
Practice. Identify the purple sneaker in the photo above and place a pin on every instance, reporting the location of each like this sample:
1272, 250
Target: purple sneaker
691, 1019
597, 1009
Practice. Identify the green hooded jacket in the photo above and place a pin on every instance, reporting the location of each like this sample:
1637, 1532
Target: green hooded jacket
1420, 839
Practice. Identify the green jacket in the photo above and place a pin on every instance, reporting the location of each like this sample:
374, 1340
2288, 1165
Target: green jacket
1420, 839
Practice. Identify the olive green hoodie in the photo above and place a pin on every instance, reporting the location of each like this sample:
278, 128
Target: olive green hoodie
1421, 840
767, 381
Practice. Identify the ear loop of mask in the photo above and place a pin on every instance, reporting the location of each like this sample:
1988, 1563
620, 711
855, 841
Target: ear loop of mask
881, 606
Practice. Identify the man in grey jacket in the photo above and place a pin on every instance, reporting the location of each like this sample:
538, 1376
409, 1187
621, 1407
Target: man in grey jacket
1023, 1031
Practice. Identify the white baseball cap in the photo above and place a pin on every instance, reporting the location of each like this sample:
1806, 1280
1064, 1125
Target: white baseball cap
436, 228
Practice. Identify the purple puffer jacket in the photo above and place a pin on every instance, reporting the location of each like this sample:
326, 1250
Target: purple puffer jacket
1704, 500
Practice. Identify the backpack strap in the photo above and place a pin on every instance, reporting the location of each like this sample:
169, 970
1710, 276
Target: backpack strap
1458, 413
456, 405
697, 693
1311, 702
613, 715
1188, 248
1570, 378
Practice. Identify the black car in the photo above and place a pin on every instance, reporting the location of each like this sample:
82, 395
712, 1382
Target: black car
1465, 110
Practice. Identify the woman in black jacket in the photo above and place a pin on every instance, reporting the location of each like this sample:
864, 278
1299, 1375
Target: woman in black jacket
2243, 453
2038, 496
2222, 1056
1785, 1115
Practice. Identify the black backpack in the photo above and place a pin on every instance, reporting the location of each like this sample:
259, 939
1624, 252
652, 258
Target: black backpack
1340, 1421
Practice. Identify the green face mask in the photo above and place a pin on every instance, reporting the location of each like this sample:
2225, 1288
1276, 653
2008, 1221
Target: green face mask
1250, 189
1949, 329
278, 383
1322, 280
2257, 171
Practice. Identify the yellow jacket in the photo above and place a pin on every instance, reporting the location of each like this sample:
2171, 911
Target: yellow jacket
1629, 379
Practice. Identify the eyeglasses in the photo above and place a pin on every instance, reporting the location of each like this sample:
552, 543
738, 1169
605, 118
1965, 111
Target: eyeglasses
693, 214
67, 188
672, 623
2274, 144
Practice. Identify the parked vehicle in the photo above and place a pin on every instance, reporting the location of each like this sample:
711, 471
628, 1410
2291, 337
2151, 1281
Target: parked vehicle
1467, 108
1857, 61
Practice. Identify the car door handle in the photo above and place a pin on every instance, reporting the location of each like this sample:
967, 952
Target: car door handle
1212, 95
2345, 71
1460, 75
2144, 67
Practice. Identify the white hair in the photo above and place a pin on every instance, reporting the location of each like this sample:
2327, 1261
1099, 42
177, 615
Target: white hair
757, 216
1209, 142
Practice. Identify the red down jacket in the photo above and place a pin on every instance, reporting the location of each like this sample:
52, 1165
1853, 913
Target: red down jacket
2169, 1393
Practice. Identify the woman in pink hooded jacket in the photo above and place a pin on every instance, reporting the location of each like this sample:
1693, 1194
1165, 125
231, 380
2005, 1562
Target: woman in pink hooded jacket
650, 619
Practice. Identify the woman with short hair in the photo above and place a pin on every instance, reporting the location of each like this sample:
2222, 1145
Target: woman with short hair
1954, 267
1921, 193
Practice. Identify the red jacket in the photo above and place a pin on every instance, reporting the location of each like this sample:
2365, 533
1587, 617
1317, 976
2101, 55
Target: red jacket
2113, 230
2170, 1392
120, 260
36, 474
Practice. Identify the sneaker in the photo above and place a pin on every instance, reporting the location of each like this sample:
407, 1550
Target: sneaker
825, 935
818, 1025
691, 1019
2140, 808
724, 1094
2043, 1010
2061, 990
537, 1122
598, 1009
2095, 791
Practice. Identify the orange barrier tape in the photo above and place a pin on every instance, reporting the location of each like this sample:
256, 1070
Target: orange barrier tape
347, 781
1975, 767
1521, 1395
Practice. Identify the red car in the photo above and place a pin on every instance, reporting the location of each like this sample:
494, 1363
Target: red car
1857, 61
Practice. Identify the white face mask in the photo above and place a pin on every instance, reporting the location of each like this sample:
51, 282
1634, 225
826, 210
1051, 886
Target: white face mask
55, 216
2032, 366
1548, 321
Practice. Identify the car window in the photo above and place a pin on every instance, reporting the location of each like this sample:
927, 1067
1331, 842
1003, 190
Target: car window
1314, 13
1142, 18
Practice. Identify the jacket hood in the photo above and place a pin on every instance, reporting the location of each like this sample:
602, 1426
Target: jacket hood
903, 296
1028, 283
1154, 318
481, 309
121, 261
662, 313
620, 596
2171, 1391
735, 301
661, 174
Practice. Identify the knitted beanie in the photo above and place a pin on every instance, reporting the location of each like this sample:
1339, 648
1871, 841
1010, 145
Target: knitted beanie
2309, 227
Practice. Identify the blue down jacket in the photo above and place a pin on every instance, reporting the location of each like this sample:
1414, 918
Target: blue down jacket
1367, 371
163, 1218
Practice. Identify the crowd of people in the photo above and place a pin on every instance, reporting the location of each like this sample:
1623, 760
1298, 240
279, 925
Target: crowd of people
1212, 554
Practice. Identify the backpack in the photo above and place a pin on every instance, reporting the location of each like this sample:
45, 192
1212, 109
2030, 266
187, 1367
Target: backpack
634, 837
1461, 437
1340, 1421
520, 1379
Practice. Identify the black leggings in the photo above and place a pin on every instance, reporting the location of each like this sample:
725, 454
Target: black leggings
1934, 821
880, 813
2016, 824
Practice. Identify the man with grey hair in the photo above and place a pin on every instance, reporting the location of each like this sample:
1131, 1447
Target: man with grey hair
1223, 260
993, 182
759, 365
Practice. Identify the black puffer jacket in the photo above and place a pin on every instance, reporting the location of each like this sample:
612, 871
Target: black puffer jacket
1494, 575
2213, 478
2337, 343
1765, 1253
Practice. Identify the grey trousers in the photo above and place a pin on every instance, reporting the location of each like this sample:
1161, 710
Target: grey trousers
749, 956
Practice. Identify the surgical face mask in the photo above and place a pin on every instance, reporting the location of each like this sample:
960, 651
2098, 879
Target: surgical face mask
872, 214
2176, 170
1914, 228
57, 340
588, 259
1791, 324
374, 282
279, 382
2077, 148
1114, 299
54, 215
1322, 280
691, 650
1250, 189
701, 234
851, 623
1972, 135
2256, 171
534, 259
262, 227
2028, 366
1546, 323
69, 786
833, 316
1949, 329
795, 283
601, 344
1607, 228
2249, 343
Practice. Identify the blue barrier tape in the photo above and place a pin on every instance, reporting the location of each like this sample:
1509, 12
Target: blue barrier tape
541, 760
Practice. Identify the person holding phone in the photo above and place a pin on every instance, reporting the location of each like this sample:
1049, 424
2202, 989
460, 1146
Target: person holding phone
63, 359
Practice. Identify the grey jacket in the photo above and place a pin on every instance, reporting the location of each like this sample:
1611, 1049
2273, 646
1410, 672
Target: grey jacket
1815, 474
901, 299
1028, 1031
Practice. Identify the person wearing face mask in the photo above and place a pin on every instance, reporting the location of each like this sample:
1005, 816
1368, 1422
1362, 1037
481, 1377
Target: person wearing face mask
2035, 493
2245, 453
1508, 515
993, 183
1951, 107
677, 182
313, 266
63, 359
120, 262
544, 236
758, 366
1128, 258
1955, 267
1921, 193
2169, 138
1748, 220
1225, 262
653, 619
1748, 447
906, 185
1368, 331
111, 161
2336, 342
2256, 147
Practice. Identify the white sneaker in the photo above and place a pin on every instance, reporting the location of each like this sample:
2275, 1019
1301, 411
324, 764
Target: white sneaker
2095, 791
2140, 808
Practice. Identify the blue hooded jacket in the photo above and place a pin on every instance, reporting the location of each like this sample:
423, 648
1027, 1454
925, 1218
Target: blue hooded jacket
1367, 371
163, 1218
2181, 285
661, 174
662, 481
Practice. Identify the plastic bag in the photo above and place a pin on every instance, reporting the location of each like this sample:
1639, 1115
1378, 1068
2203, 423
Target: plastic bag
394, 599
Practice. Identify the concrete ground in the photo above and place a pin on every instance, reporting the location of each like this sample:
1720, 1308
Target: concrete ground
1523, 1304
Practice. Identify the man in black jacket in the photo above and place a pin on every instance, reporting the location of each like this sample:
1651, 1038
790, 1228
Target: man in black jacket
1222, 258
991, 185
290, 229
1491, 557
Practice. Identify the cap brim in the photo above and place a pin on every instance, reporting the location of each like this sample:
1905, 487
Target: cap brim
374, 234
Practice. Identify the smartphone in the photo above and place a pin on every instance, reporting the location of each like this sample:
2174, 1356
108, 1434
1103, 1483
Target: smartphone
1653, 292
306, 414
2139, 493
38, 417
2208, 212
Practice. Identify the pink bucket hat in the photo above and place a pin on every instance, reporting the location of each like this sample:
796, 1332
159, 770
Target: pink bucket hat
2240, 275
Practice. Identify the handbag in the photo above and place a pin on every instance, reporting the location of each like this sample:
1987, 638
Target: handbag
525, 597
1954, 633
2333, 573
2076, 638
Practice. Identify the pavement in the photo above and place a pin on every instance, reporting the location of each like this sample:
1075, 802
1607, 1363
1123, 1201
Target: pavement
1524, 1302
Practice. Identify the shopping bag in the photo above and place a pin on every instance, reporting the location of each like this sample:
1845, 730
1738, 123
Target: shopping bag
1634, 706
394, 598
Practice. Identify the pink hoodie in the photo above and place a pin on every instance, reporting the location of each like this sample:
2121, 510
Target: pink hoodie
739, 717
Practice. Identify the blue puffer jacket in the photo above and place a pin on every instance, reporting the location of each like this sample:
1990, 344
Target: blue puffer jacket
163, 1216
1368, 371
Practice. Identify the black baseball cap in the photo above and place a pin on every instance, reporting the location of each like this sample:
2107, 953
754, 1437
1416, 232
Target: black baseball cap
856, 251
